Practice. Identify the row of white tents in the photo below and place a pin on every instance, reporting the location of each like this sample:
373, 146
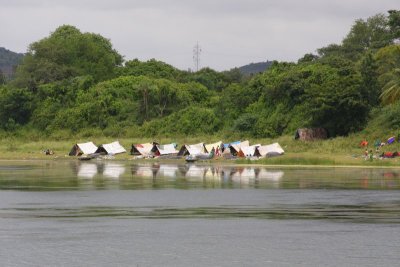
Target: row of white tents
234, 149
148, 150
90, 148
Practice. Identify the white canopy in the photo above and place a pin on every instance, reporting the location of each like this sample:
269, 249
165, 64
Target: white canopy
249, 151
209, 147
271, 150
114, 148
87, 148
144, 149
195, 149
240, 145
167, 149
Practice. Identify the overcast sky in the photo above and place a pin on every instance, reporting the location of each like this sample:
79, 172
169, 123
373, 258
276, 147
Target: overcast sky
231, 33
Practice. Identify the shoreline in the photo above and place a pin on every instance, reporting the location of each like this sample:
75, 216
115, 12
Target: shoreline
363, 164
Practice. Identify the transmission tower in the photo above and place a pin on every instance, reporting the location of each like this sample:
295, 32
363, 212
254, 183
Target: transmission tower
196, 56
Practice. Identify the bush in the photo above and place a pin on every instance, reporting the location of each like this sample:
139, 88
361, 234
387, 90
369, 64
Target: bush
189, 121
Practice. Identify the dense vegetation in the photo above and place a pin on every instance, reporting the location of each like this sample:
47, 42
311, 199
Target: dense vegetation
73, 82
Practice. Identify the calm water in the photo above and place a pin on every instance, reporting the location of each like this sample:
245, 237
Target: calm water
108, 213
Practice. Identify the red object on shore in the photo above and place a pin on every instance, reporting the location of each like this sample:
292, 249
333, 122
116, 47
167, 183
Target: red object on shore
364, 143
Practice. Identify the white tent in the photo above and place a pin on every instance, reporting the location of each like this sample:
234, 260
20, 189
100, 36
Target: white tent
195, 149
209, 147
112, 148
142, 149
166, 150
271, 150
250, 151
237, 147
83, 148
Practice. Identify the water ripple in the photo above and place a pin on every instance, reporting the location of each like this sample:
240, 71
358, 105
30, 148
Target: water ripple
373, 213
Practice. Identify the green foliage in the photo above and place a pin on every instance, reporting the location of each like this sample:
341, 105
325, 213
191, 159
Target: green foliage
371, 34
67, 53
73, 83
152, 68
189, 121
368, 68
391, 90
2, 78
385, 118
209, 78
394, 23
325, 96
16, 107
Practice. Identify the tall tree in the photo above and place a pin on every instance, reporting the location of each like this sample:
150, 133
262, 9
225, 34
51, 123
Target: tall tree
370, 34
391, 90
394, 23
67, 53
369, 79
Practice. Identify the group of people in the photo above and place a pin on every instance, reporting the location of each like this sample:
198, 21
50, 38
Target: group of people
370, 154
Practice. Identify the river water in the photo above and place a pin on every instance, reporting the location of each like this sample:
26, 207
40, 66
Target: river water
109, 213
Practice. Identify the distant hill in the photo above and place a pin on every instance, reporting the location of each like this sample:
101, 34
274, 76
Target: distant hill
8, 61
254, 68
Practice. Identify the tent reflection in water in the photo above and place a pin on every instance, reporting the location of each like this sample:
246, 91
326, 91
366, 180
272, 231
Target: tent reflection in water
113, 170
83, 148
87, 170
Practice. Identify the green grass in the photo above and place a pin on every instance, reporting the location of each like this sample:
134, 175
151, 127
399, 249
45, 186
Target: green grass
341, 151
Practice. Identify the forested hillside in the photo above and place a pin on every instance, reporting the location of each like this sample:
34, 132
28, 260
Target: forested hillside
73, 82
255, 68
8, 62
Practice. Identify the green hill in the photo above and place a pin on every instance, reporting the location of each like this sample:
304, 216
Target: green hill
255, 68
8, 61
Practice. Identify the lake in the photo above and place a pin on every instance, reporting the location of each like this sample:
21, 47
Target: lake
110, 213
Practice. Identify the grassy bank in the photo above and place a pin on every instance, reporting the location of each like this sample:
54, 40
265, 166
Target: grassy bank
342, 151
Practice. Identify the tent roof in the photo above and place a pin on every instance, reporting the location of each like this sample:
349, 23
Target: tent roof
249, 150
209, 147
87, 148
273, 149
239, 145
231, 143
144, 149
114, 148
195, 149
167, 149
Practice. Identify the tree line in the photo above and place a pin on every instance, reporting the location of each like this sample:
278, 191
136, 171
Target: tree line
73, 81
